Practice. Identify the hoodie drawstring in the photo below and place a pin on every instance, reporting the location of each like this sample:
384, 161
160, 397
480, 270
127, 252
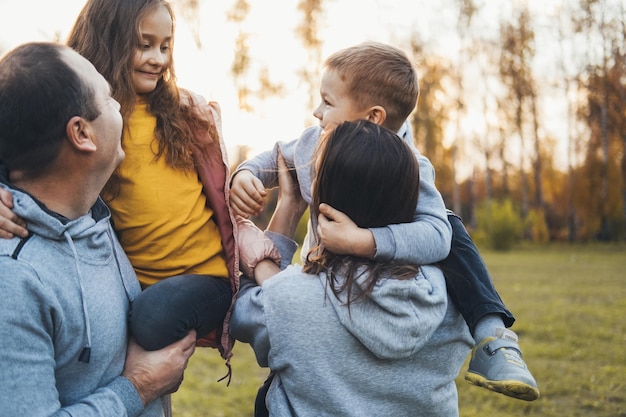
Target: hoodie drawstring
85, 354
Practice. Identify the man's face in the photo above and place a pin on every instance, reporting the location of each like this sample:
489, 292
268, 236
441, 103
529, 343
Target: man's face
107, 127
336, 105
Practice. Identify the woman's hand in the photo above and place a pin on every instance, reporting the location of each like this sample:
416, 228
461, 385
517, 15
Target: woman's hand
290, 206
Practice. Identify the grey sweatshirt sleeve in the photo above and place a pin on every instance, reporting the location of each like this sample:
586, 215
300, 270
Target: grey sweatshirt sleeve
29, 380
247, 322
427, 239
264, 166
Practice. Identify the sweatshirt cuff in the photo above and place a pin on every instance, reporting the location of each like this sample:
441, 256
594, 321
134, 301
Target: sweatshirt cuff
385, 244
128, 394
287, 247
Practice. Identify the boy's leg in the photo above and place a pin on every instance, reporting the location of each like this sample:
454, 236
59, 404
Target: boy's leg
166, 311
469, 283
260, 407
496, 361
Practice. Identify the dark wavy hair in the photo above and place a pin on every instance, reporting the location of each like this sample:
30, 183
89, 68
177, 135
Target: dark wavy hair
107, 33
370, 174
39, 94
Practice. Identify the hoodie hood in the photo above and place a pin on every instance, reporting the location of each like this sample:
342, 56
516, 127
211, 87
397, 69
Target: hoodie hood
88, 232
396, 319
48, 224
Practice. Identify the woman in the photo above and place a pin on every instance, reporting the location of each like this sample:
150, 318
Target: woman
350, 336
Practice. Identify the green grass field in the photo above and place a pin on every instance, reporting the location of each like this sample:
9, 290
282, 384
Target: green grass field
570, 305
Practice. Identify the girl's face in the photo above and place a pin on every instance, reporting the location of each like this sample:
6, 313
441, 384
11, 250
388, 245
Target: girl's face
153, 54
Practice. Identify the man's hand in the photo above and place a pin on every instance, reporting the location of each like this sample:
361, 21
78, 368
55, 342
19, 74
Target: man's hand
340, 235
10, 224
159, 372
247, 194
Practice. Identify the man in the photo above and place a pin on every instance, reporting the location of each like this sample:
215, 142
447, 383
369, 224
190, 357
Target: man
65, 291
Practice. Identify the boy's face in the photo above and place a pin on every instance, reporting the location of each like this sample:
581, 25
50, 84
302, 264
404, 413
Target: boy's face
336, 105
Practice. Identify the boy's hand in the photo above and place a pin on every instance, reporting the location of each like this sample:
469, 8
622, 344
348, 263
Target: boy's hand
10, 224
340, 235
247, 194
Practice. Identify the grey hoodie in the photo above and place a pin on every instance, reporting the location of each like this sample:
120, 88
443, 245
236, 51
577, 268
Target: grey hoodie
396, 353
65, 293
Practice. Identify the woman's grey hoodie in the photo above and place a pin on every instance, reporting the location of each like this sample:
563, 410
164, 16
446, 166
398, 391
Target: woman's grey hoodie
65, 294
395, 353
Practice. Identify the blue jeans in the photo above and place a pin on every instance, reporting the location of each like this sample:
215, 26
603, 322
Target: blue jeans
469, 284
166, 311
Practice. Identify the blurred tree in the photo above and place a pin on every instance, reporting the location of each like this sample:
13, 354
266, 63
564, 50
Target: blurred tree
308, 32
431, 116
190, 11
517, 51
242, 63
605, 82
467, 11
240, 67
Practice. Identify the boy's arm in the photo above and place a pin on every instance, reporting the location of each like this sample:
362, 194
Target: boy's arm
252, 177
426, 240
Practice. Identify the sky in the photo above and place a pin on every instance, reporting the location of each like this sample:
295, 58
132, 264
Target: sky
271, 25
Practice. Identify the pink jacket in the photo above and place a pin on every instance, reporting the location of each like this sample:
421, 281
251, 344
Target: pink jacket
214, 173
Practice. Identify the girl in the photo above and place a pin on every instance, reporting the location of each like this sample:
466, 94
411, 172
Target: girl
169, 197
381, 329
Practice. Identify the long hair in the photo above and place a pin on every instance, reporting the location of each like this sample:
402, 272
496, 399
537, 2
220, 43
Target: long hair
370, 174
378, 74
39, 94
107, 33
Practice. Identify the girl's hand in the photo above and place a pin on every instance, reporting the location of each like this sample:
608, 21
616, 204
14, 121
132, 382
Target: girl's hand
10, 224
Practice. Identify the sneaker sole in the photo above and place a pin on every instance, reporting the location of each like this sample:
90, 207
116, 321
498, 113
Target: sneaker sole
512, 388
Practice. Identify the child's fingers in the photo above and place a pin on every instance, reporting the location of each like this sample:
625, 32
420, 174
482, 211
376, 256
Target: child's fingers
331, 213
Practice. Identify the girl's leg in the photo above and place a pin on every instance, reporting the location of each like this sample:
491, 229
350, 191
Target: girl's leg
166, 311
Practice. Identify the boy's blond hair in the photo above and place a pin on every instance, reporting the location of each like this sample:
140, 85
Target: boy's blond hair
378, 74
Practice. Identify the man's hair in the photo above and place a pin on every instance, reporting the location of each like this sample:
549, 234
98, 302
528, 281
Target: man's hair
378, 74
39, 94
367, 172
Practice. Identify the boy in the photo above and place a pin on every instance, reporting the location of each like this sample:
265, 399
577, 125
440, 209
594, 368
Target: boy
378, 83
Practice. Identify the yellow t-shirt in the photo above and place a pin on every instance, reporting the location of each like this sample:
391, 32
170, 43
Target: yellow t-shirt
160, 213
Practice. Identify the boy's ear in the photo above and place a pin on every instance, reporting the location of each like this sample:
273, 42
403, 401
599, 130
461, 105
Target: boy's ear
80, 135
376, 114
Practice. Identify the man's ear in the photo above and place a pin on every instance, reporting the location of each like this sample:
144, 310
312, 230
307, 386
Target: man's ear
377, 114
80, 134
